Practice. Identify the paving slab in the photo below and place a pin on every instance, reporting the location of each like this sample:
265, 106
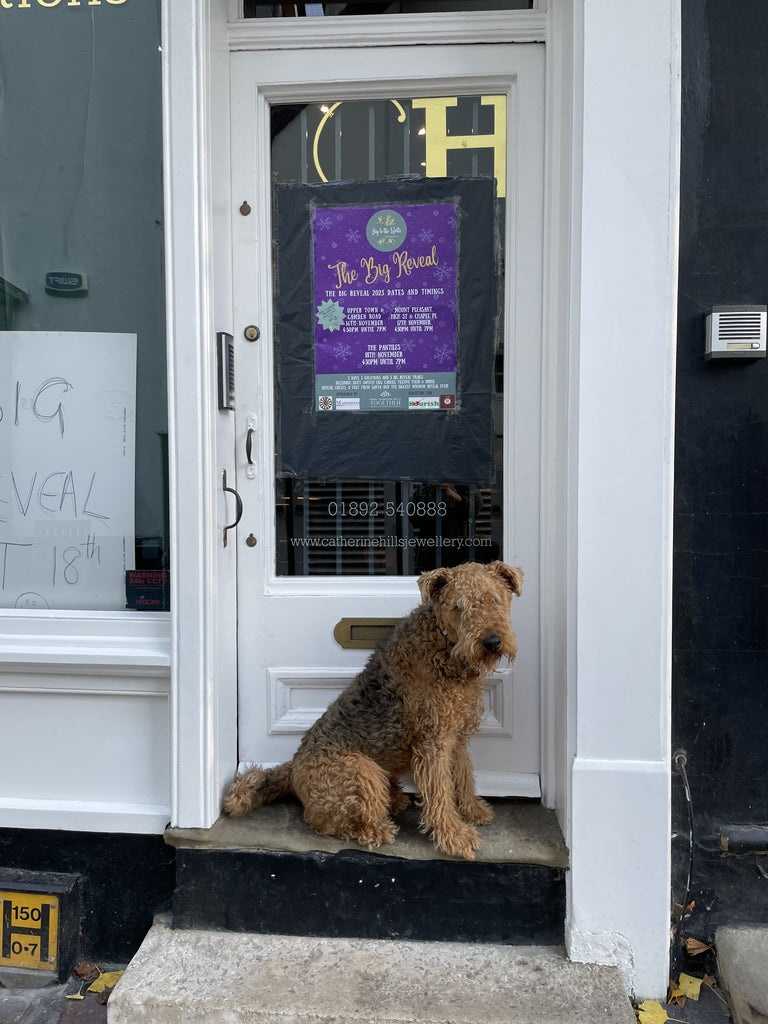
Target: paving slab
14, 1003
50, 1005
189, 976
742, 956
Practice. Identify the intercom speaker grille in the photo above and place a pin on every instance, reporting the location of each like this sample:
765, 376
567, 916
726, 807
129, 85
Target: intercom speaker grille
736, 331
746, 326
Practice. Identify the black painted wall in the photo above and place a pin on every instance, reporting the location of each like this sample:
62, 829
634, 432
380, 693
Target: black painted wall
720, 666
127, 879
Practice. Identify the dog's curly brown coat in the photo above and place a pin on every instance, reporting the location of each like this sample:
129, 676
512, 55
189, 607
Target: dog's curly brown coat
414, 707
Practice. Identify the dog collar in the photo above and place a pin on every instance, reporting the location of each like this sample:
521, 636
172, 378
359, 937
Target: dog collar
450, 639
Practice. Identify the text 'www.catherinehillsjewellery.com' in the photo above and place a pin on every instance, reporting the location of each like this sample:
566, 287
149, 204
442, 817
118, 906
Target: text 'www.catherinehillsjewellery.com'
391, 542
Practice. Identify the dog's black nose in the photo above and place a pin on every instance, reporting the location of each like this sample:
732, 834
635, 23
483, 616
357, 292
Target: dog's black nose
492, 643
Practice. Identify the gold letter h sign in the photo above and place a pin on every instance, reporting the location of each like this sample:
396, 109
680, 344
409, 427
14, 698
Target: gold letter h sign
438, 141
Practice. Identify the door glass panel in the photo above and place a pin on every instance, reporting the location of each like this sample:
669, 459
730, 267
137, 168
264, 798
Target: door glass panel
396, 209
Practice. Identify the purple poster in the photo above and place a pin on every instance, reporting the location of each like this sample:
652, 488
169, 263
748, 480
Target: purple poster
385, 307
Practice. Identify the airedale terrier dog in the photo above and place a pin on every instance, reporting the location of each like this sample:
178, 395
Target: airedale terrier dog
413, 707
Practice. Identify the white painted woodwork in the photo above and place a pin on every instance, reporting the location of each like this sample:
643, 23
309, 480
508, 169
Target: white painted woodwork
84, 713
622, 344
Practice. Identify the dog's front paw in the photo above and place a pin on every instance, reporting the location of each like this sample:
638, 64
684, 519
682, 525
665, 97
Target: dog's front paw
460, 842
375, 835
479, 812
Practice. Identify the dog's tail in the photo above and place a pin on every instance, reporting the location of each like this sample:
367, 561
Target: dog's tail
256, 787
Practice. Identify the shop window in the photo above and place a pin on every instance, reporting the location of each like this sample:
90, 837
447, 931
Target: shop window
83, 412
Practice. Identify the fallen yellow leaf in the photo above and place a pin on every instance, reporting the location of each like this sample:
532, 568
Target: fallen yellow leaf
108, 979
652, 1012
689, 986
675, 995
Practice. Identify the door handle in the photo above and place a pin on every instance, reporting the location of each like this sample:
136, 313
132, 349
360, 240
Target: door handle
251, 423
238, 506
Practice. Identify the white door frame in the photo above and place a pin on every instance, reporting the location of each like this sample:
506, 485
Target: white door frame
606, 476
506, 751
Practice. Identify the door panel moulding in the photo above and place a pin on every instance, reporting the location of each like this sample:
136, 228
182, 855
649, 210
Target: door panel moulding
294, 707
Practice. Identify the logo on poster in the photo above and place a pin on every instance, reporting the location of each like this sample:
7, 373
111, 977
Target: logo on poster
386, 230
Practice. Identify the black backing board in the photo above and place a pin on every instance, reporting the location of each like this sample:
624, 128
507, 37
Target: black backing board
447, 445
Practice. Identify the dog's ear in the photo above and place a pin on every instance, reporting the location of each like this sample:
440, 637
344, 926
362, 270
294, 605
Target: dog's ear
431, 583
512, 576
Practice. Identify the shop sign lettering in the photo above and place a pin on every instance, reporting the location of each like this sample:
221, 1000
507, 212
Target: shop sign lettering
27, 4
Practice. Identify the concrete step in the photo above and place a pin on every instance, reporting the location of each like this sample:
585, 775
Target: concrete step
189, 976
742, 957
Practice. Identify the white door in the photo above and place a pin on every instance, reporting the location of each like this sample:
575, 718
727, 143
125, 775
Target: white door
387, 414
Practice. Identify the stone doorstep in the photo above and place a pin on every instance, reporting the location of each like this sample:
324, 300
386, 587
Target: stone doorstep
522, 832
742, 957
189, 976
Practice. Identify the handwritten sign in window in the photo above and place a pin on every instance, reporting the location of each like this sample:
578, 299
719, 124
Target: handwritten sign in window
67, 453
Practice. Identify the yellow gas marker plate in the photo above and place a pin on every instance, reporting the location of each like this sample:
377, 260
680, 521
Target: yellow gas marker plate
29, 930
